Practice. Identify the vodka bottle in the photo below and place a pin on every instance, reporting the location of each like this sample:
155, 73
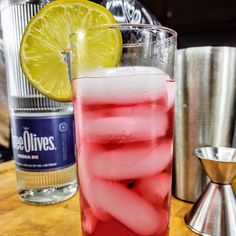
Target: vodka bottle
41, 129
130, 11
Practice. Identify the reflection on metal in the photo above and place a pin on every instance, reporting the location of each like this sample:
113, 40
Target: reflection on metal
214, 213
205, 112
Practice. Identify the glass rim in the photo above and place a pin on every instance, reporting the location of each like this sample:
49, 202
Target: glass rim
117, 76
128, 26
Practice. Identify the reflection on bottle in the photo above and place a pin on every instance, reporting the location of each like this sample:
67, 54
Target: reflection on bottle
130, 11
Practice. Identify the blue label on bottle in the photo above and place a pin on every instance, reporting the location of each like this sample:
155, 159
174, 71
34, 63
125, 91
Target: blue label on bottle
43, 143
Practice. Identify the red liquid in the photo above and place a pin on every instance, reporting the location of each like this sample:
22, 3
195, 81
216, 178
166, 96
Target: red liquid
125, 155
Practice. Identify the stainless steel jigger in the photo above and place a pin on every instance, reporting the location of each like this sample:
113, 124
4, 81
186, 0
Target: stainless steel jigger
214, 213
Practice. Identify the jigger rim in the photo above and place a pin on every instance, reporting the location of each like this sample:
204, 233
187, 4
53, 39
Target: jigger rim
196, 152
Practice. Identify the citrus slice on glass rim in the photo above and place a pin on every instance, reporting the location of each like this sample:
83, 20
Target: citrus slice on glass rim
46, 38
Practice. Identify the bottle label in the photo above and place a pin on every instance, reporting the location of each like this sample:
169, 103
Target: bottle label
43, 143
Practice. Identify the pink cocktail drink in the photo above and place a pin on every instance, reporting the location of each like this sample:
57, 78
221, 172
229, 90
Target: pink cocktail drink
124, 125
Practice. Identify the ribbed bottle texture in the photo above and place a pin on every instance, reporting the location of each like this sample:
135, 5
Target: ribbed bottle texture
22, 96
42, 129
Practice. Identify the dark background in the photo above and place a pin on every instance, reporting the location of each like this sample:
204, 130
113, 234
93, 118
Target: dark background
198, 22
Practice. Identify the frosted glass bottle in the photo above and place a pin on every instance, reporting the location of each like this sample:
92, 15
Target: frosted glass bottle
42, 130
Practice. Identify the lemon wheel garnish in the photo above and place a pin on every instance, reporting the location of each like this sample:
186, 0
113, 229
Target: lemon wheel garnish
46, 38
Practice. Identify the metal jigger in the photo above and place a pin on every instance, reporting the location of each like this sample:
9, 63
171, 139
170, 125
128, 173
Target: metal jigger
214, 213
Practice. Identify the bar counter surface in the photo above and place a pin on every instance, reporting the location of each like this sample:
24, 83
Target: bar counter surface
20, 219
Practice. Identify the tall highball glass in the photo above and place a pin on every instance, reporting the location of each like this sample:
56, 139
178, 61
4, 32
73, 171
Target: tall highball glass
124, 110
